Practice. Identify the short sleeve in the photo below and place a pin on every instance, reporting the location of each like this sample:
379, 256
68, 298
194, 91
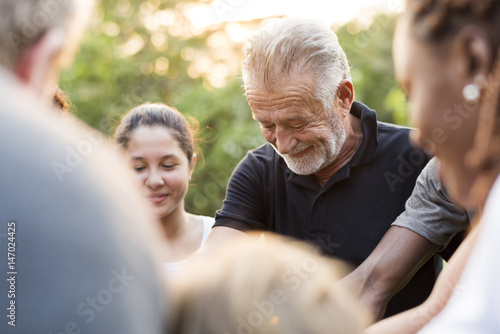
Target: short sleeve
429, 212
243, 207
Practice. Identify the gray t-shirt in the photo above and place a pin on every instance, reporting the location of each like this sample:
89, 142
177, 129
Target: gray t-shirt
75, 239
429, 211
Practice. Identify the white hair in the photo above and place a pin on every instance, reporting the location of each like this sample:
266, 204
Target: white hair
291, 44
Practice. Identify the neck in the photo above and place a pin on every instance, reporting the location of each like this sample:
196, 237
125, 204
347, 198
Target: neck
174, 224
351, 145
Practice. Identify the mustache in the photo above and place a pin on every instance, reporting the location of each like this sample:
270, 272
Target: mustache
299, 148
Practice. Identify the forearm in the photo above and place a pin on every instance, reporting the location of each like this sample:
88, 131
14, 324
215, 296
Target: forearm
415, 319
363, 283
408, 322
219, 236
390, 266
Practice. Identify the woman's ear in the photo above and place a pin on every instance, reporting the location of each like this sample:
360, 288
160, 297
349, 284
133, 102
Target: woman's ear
475, 50
192, 164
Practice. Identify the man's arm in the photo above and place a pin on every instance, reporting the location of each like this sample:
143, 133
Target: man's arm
414, 320
395, 260
220, 235
429, 222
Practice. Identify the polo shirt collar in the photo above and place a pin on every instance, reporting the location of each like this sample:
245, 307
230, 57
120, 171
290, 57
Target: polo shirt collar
369, 146
365, 153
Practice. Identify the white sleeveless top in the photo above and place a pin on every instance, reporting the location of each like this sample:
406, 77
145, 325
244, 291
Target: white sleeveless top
474, 306
173, 267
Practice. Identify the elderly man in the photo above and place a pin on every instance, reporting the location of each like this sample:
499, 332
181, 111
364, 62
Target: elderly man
74, 243
330, 174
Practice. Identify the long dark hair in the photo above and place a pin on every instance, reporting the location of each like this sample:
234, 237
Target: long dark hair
158, 114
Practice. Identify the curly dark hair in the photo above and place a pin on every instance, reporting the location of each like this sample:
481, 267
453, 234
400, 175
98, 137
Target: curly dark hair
435, 19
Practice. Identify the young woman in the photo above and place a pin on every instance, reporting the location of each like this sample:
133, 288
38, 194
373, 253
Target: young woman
159, 145
446, 57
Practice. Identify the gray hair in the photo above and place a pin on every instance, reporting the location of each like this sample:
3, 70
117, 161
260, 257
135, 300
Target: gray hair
24, 22
296, 44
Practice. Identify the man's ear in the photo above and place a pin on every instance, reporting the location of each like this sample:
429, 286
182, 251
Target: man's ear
475, 51
37, 66
345, 93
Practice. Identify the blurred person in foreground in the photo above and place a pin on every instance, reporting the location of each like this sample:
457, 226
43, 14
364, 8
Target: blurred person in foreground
73, 237
331, 174
447, 58
264, 285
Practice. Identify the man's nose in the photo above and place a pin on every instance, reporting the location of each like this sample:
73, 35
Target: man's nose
285, 140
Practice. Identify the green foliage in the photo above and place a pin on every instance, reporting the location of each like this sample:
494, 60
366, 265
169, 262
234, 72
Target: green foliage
369, 52
229, 133
138, 51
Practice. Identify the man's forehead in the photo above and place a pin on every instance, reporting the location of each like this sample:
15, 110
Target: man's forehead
290, 106
287, 117
294, 80
286, 94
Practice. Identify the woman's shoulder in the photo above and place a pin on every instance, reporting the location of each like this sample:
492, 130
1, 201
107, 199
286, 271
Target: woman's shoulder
207, 221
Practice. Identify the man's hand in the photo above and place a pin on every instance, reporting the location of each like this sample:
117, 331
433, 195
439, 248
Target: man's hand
413, 320
390, 266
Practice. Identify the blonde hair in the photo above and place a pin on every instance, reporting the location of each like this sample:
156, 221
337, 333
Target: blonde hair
275, 286
291, 45
23, 23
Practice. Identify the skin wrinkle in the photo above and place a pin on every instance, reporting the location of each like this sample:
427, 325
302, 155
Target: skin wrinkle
295, 97
312, 120
295, 123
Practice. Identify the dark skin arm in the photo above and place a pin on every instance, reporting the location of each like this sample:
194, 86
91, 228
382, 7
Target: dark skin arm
412, 321
390, 266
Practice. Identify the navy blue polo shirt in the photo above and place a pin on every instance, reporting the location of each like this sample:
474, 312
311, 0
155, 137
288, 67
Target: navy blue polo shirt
349, 215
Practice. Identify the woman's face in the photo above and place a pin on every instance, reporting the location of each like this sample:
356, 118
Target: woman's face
161, 167
434, 77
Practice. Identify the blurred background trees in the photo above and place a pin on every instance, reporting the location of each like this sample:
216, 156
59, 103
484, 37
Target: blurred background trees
140, 51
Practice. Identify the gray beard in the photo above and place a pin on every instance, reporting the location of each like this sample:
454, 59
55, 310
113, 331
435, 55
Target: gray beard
314, 161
